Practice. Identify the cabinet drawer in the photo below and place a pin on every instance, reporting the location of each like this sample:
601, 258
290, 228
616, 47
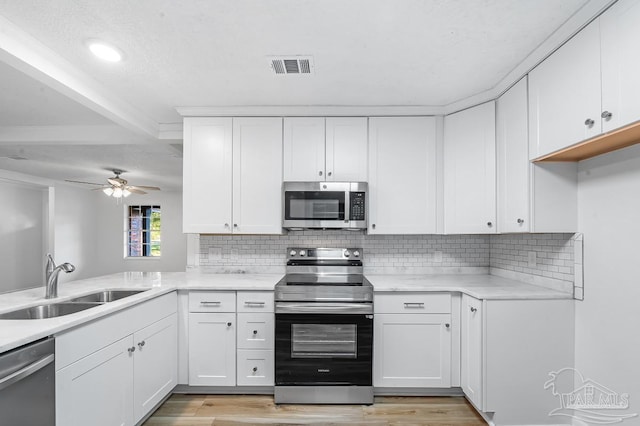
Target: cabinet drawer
255, 301
417, 303
212, 301
255, 368
255, 331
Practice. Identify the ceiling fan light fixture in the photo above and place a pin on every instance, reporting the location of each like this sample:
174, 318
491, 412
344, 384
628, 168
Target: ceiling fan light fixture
117, 193
104, 51
126, 192
108, 191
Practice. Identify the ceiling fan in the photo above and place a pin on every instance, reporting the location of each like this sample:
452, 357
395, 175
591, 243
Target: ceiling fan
118, 187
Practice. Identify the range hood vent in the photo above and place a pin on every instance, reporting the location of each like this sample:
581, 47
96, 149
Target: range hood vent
291, 65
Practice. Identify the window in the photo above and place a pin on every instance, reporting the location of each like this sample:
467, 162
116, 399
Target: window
143, 231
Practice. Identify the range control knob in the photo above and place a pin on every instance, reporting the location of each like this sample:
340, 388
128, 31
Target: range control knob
293, 253
303, 253
356, 253
347, 253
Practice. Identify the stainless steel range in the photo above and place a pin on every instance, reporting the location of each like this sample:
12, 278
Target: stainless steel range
324, 328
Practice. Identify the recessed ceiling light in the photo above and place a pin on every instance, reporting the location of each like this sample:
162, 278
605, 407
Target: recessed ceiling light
104, 51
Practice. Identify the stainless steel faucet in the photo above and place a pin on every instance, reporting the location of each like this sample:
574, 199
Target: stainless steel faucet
51, 272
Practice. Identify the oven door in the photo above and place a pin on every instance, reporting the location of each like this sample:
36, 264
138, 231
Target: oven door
323, 349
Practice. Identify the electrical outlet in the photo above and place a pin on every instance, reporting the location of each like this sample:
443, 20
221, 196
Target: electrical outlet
215, 253
532, 260
437, 256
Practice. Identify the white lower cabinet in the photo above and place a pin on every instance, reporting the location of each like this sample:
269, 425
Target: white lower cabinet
98, 389
115, 370
471, 350
229, 348
212, 349
412, 344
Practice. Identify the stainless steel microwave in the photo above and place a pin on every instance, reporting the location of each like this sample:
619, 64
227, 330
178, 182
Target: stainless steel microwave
325, 205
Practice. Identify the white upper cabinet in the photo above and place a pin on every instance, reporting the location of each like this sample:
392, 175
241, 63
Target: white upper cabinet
232, 175
346, 149
512, 143
470, 171
257, 175
304, 149
402, 175
207, 165
564, 95
620, 33
331, 149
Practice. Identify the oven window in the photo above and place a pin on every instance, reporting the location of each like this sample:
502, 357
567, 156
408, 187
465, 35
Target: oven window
324, 341
301, 205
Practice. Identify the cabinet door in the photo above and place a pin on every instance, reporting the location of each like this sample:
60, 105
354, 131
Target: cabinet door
512, 143
346, 149
257, 175
471, 357
155, 364
470, 171
207, 167
564, 95
620, 33
97, 389
412, 350
304, 149
402, 175
212, 349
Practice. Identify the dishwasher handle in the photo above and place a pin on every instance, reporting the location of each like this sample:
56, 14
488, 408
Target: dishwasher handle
26, 371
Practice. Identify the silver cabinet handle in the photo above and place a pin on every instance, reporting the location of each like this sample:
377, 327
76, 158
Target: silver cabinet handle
413, 305
473, 309
26, 371
589, 122
204, 302
141, 344
254, 304
489, 224
320, 173
228, 324
520, 221
606, 115
255, 369
132, 349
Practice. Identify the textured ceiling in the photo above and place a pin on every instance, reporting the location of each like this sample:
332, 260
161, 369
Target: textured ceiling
366, 52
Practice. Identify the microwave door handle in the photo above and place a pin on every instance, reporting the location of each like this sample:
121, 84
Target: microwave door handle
347, 206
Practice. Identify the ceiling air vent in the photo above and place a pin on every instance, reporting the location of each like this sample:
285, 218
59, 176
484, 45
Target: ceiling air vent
291, 65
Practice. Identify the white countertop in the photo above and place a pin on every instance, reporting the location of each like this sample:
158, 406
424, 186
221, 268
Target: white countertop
14, 333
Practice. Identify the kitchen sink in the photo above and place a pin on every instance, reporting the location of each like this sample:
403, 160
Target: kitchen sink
105, 296
51, 310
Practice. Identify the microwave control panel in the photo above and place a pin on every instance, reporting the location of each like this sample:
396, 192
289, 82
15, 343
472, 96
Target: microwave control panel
356, 209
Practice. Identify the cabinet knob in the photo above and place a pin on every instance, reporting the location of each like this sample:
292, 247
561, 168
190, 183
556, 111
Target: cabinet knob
473, 309
489, 224
228, 324
606, 115
589, 122
132, 349
320, 173
255, 369
226, 225
235, 225
447, 325
520, 221
329, 174
373, 226
255, 332
141, 344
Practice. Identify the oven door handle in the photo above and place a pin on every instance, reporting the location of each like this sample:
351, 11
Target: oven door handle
323, 308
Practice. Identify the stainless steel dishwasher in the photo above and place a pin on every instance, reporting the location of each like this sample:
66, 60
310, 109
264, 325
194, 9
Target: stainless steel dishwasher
27, 385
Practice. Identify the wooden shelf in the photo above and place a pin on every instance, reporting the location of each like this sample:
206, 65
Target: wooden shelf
606, 142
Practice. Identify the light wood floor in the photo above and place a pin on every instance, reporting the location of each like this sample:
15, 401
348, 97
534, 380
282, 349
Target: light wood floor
228, 410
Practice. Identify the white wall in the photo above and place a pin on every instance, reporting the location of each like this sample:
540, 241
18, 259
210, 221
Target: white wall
607, 336
23, 228
110, 238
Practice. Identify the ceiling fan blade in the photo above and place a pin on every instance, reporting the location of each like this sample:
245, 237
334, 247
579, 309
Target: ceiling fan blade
117, 182
84, 183
135, 190
148, 188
